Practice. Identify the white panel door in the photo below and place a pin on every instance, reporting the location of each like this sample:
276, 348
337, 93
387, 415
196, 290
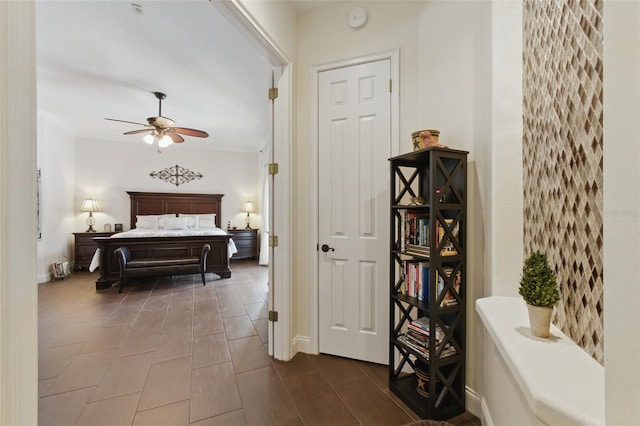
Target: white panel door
354, 146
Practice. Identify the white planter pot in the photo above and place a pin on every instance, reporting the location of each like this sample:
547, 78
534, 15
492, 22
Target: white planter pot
540, 320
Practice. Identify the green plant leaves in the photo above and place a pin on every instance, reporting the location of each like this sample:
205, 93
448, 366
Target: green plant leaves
538, 285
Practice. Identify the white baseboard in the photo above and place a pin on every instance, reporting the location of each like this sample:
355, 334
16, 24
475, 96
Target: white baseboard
473, 402
485, 416
44, 278
301, 344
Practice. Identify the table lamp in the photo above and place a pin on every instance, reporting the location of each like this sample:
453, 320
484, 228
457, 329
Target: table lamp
90, 205
248, 208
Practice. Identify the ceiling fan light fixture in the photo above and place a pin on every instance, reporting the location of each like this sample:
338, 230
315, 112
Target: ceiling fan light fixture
150, 139
162, 128
164, 141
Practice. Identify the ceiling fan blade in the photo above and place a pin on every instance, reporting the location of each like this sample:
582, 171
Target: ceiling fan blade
124, 121
190, 132
135, 132
175, 137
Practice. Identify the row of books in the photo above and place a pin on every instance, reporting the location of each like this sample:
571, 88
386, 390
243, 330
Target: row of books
417, 337
415, 234
423, 350
416, 281
421, 326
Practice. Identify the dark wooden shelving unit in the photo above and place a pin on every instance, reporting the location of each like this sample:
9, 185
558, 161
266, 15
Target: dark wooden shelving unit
436, 178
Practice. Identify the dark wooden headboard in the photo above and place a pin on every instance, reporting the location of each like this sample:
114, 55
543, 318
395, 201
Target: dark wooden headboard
167, 203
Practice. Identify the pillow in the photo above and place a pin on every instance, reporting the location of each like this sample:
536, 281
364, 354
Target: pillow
206, 220
192, 220
162, 218
175, 223
147, 221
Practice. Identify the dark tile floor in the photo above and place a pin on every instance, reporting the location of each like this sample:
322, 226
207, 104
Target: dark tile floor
174, 352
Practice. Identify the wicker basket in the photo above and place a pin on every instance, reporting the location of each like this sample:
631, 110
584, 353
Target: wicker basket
423, 381
417, 140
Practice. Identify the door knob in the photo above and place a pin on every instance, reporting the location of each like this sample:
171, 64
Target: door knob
325, 248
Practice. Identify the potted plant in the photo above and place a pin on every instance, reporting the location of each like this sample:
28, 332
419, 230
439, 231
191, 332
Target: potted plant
539, 289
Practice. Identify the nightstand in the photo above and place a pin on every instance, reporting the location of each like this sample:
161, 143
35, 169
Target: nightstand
246, 241
85, 248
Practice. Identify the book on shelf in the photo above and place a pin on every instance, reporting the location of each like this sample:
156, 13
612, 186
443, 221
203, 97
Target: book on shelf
420, 339
417, 250
414, 232
448, 248
416, 282
415, 278
403, 230
421, 326
447, 350
448, 299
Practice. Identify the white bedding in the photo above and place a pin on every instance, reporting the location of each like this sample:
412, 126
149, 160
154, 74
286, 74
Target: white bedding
140, 233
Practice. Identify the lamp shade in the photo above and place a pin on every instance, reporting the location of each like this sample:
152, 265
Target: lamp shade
89, 205
247, 207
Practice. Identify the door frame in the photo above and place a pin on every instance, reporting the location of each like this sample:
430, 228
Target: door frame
18, 277
394, 57
280, 257
18, 299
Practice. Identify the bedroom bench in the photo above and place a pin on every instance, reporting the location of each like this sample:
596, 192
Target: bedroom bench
130, 267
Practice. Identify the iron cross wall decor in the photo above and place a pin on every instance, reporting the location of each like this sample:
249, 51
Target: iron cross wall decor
176, 175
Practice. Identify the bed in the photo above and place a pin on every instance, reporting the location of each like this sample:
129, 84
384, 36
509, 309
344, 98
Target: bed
145, 243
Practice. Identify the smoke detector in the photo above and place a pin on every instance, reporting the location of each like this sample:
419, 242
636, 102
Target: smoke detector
137, 9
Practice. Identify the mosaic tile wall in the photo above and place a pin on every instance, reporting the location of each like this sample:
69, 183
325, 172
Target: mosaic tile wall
562, 152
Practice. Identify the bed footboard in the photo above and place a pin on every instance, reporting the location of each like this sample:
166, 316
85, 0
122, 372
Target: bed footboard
162, 248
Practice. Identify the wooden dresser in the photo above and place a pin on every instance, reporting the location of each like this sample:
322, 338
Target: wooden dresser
85, 247
246, 241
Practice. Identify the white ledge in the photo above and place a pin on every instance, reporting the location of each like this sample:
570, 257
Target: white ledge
561, 383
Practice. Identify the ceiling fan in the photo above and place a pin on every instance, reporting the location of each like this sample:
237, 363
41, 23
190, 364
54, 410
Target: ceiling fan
161, 128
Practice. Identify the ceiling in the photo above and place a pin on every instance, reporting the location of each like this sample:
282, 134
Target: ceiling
103, 59
303, 6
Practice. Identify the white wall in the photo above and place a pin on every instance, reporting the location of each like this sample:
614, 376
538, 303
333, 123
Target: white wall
455, 94
505, 227
500, 168
324, 36
445, 75
105, 170
621, 211
56, 162
276, 19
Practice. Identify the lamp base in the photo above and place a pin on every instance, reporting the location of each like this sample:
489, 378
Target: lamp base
90, 221
248, 227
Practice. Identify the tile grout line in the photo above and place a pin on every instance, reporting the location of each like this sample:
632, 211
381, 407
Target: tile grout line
135, 413
287, 389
